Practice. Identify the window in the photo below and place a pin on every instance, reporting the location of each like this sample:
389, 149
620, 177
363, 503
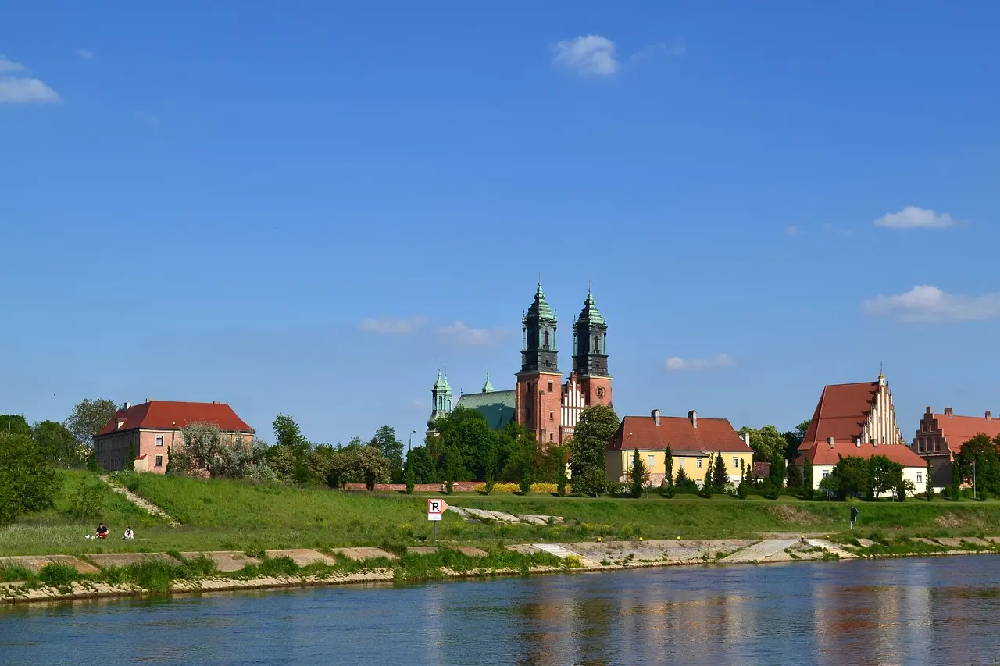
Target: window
550, 437
699, 463
736, 462
680, 462
552, 416
158, 462
920, 477
550, 387
826, 474
159, 440
650, 460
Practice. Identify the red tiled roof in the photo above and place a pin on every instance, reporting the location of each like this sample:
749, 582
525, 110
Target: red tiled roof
677, 432
172, 415
822, 454
841, 412
960, 429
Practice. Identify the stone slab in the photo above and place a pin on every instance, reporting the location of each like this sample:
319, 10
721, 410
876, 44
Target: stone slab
523, 548
302, 556
105, 560
35, 563
226, 561
421, 550
363, 553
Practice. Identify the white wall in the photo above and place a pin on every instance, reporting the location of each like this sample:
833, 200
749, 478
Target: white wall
915, 475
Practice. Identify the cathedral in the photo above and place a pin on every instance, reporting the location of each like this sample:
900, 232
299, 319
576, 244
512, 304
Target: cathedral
541, 401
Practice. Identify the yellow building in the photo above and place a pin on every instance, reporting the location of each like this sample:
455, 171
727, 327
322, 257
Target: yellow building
693, 442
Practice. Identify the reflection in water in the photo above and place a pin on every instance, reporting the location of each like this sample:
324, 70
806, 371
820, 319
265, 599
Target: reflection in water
907, 611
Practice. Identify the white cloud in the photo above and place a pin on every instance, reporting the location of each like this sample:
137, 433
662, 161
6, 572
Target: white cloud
676, 363
463, 334
16, 87
85, 54
392, 325
791, 230
10, 66
25, 90
153, 121
914, 216
926, 303
592, 55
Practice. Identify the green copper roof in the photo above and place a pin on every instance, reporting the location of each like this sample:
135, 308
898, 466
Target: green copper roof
442, 383
487, 387
496, 406
539, 307
590, 312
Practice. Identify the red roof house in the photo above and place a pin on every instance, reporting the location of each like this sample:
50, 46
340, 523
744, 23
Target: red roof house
151, 428
940, 436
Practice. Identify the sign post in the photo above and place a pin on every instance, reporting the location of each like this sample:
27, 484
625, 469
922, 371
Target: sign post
435, 508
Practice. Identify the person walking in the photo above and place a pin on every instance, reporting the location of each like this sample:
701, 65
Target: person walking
854, 515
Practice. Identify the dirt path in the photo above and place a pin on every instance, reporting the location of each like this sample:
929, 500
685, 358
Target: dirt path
146, 505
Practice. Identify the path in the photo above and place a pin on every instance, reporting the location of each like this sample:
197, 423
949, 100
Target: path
148, 506
769, 550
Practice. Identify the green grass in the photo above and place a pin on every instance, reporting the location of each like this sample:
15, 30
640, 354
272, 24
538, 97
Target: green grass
229, 515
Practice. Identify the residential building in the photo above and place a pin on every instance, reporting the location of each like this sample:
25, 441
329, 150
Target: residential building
857, 420
548, 407
940, 436
149, 429
694, 441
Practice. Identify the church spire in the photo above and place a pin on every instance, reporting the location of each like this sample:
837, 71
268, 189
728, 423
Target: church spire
487, 387
540, 350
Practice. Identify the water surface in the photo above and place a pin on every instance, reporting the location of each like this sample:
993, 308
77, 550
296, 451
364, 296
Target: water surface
912, 611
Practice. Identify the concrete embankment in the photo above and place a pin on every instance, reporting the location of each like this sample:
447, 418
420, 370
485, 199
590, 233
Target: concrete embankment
576, 557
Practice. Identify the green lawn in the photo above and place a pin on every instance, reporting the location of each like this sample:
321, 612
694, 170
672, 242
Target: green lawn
228, 515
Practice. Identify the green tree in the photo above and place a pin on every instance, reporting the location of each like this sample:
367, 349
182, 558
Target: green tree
794, 476
956, 481
468, 433
683, 483
807, 479
87, 501
720, 477
596, 427
58, 444
452, 467
526, 481
563, 480
851, 476
980, 454
929, 484
88, 417
766, 442
28, 481
743, 490
391, 448
14, 424
418, 459
409, 478
884, 475
638, 474
794, 438
668, 466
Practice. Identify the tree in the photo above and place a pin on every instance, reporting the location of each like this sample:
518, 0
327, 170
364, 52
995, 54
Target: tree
469, 435
766, 442
14, 424
563, 480
956, 481
392, 448
638, 474
794, 438
720, 477
410, 479
596, 427
851, 476
807, 479
668, 467
205, 451
980, 454
526, 481
684, 484
794, 476
358, 464
929, 484
88, 417
28, 481
743, 490
58, 444
884, 475
287, 432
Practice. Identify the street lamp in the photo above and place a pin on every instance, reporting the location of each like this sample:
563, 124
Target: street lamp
409, 440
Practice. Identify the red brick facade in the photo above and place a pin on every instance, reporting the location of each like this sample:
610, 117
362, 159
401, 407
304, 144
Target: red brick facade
596, 390
538, 404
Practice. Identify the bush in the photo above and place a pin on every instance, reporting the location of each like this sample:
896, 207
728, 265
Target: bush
88, 499
28, 481
55, 574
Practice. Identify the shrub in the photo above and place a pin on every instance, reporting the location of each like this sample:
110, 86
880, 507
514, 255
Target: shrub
56, 574
88, 499
28, 481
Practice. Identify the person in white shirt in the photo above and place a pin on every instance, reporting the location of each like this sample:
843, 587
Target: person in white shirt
129, 534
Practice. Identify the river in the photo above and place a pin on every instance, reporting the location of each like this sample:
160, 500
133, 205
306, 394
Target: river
942, 610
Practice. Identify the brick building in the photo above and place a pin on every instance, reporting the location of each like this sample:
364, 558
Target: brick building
940, 436
149, 429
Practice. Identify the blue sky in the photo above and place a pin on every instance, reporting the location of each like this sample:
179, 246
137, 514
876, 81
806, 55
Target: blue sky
303, 207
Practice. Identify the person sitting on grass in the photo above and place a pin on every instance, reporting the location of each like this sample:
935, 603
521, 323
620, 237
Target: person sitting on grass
129, 534
102, 531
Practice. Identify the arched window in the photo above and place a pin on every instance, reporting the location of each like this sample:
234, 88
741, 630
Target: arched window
545, 344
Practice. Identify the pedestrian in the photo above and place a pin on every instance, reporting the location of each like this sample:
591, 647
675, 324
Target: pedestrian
854, 515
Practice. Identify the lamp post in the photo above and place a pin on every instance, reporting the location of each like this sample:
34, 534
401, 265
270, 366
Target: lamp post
409, 440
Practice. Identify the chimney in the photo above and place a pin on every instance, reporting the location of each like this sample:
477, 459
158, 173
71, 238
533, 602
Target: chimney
830, 441
746, 437
656, 417
857, 442
947, 411
989, 415
929, 410
149, 400
693, 417
121, 422
215, 402
127, 405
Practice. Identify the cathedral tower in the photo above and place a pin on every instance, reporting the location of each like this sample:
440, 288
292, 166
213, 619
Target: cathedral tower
590, 354
440, 400
537, 403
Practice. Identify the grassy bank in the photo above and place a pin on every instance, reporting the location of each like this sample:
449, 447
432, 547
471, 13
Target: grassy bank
225, 515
